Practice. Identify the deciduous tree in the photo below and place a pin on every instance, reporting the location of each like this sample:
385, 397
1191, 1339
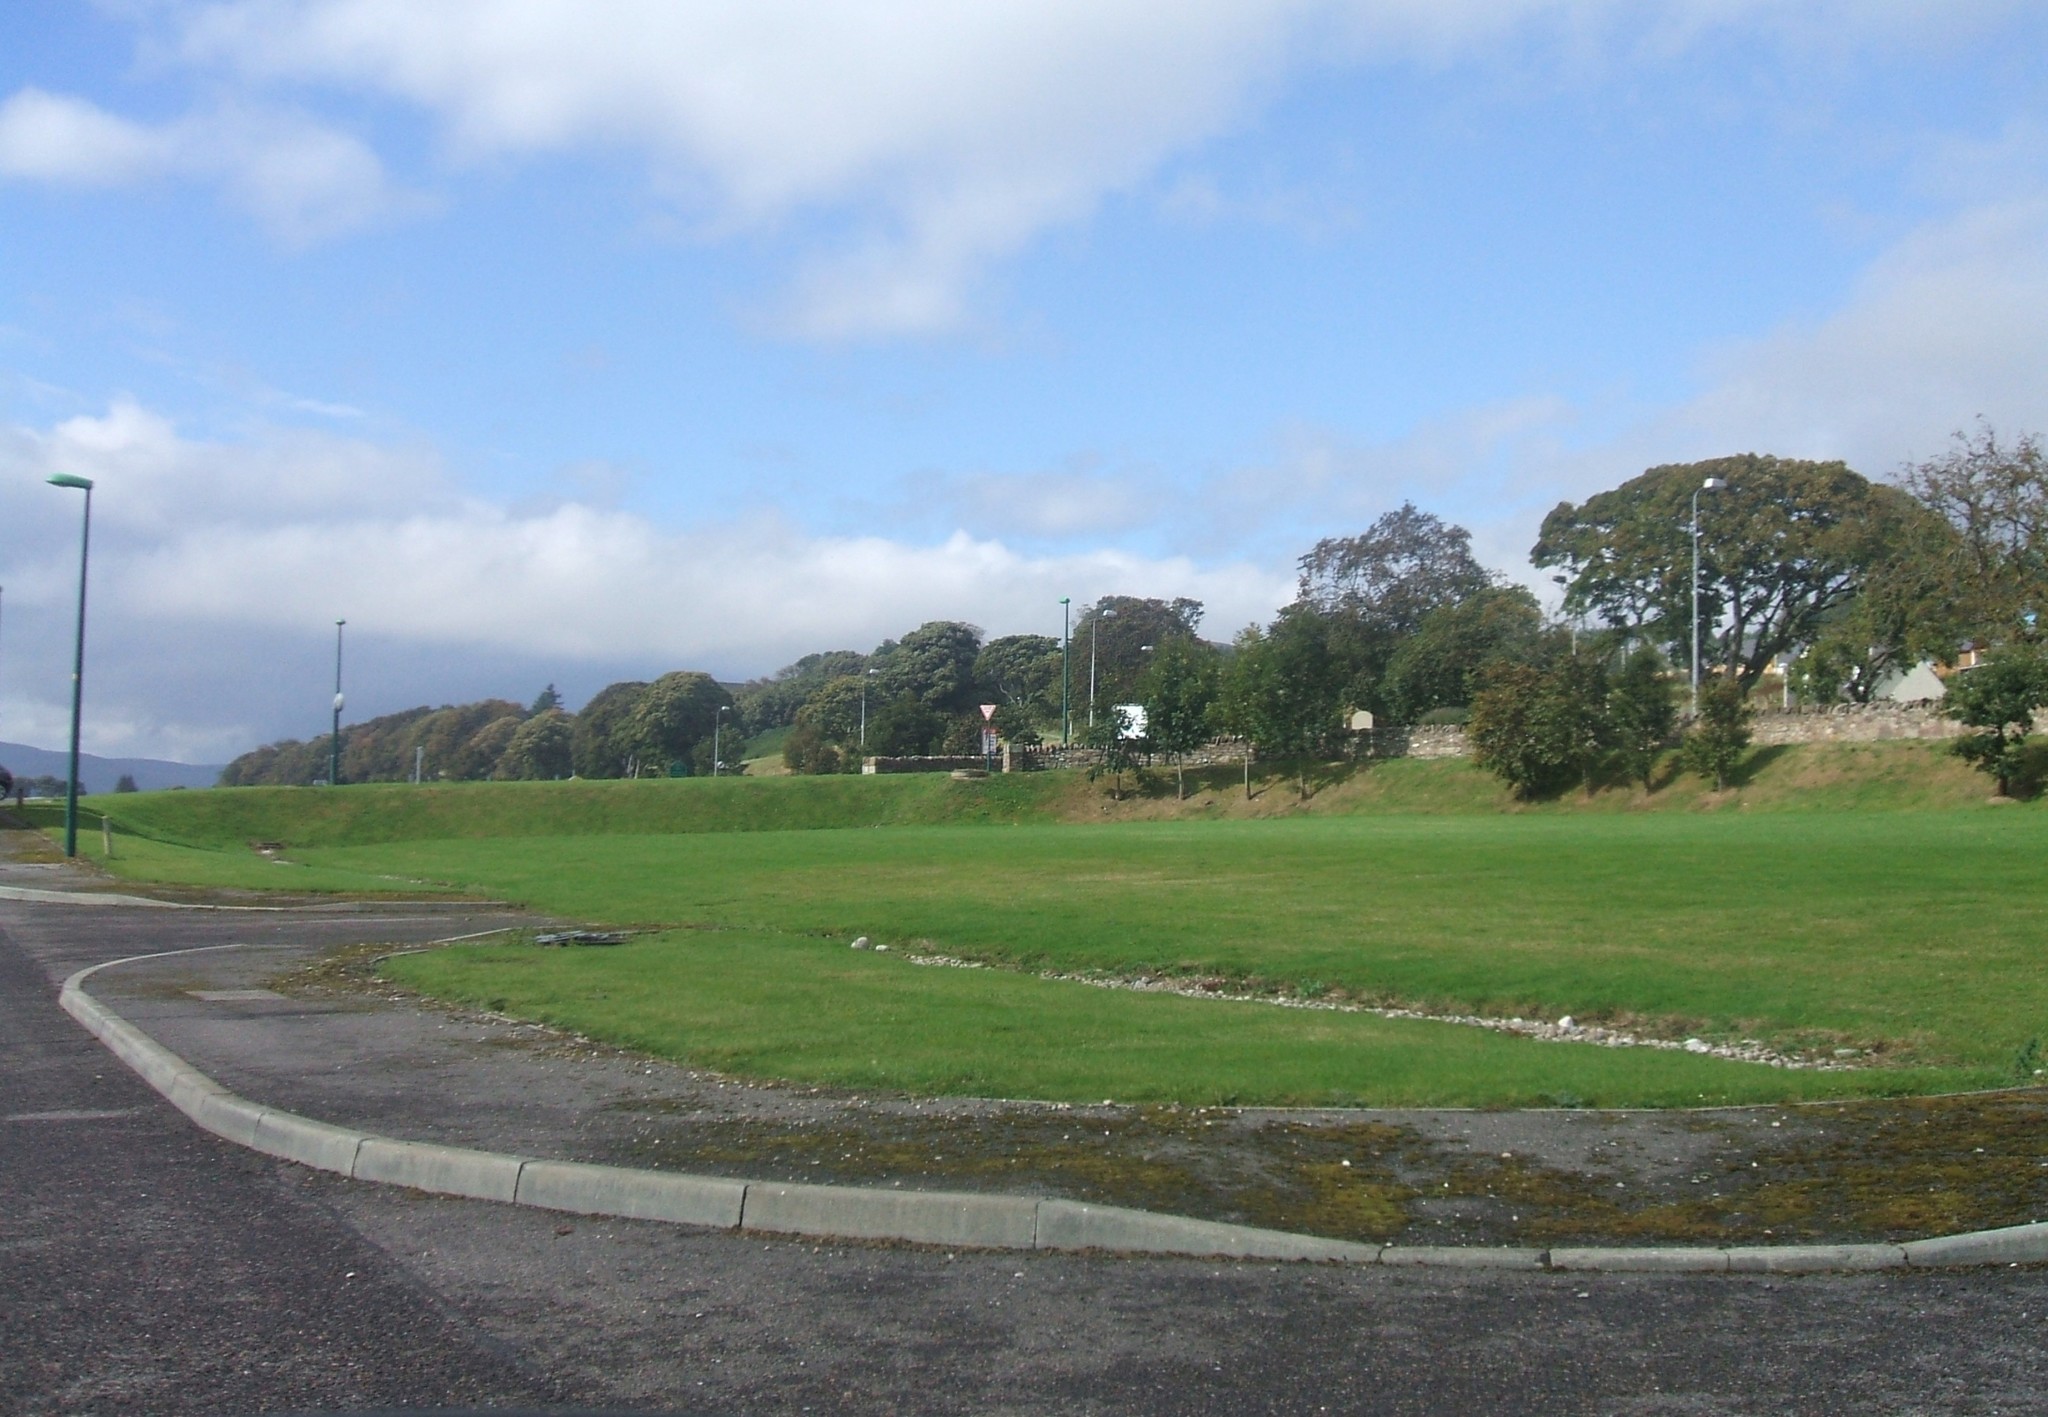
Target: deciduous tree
1999, 700
1783, 543
1995, 497
1714, 743
1281, 689
1376, 588
1179, 693
1440, 664
1642, 711
605, 742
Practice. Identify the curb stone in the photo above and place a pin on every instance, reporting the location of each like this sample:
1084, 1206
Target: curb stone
962, 1219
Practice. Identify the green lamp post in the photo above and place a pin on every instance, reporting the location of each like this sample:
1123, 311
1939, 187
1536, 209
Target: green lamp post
82, 484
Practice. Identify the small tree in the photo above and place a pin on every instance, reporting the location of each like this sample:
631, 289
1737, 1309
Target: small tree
126, 783
1179, 691
1641, 713
1111, 738
1281, 691
1537, 729
1717, 737
1999, 700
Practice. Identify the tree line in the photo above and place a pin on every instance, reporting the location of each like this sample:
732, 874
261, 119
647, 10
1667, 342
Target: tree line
1806, 566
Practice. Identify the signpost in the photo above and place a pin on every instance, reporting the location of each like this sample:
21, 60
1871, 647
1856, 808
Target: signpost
989, 744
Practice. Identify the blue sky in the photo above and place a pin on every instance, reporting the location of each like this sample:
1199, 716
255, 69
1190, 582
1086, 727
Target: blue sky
546, 341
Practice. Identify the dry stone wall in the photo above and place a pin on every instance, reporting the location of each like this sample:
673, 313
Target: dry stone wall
1854, 723
1834, 723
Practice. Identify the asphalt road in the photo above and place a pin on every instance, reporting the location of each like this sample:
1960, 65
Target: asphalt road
146, 1267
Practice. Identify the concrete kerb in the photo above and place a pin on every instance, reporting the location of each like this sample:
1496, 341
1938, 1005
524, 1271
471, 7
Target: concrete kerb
965, 1220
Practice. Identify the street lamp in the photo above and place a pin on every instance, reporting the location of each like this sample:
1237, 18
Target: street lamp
82, 484
1094, 634
1066, 671
1712, 484
717, 723
334, 744
864, 711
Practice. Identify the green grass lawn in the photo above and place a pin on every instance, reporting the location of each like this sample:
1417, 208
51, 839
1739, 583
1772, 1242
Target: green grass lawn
1912, 934
759, 1004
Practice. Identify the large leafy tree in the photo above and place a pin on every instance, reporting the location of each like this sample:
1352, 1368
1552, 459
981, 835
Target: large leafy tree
774, 701
905, 727
933, 664
461, 741
1995, 497
673, 721
1783, 545
605, 742
1440, 664
1020, 674
1179, 692
1120, 629
540, 748
1375, 589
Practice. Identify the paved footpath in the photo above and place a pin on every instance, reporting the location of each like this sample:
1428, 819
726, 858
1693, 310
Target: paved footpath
147, 1267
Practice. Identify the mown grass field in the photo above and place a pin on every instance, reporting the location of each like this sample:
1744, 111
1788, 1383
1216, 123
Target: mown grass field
1902, 919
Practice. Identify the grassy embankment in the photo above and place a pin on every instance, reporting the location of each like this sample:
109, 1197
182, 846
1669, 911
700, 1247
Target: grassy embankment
1851, 897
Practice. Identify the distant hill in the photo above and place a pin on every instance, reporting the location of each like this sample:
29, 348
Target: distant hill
97, 774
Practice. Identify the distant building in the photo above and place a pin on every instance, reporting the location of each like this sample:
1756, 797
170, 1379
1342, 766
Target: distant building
1914, 685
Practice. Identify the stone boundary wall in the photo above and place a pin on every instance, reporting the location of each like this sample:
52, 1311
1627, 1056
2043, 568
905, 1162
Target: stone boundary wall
871, 766
1429, 740
1832, 723
1853, 723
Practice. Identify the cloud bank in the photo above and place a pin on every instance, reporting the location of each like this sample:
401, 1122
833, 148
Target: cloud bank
915, 143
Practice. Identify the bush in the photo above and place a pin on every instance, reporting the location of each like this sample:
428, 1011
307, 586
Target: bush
1714, 743
1536, 729
1999, 700
1452, 715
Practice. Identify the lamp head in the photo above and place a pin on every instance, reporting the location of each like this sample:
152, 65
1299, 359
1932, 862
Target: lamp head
1713, 484
67, 479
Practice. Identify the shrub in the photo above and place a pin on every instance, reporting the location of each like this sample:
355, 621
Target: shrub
1714, 743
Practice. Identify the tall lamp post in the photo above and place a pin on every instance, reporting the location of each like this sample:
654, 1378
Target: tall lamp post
1094, 634
334, 743
1066, 671
864, 710
717, 723
82, 484
1712, 484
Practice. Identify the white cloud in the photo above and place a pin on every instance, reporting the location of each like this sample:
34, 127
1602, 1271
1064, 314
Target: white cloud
302, 180
51, 138
299, 529
934, 137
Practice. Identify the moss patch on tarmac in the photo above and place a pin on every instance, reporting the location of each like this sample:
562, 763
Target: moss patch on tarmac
1874, 1171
